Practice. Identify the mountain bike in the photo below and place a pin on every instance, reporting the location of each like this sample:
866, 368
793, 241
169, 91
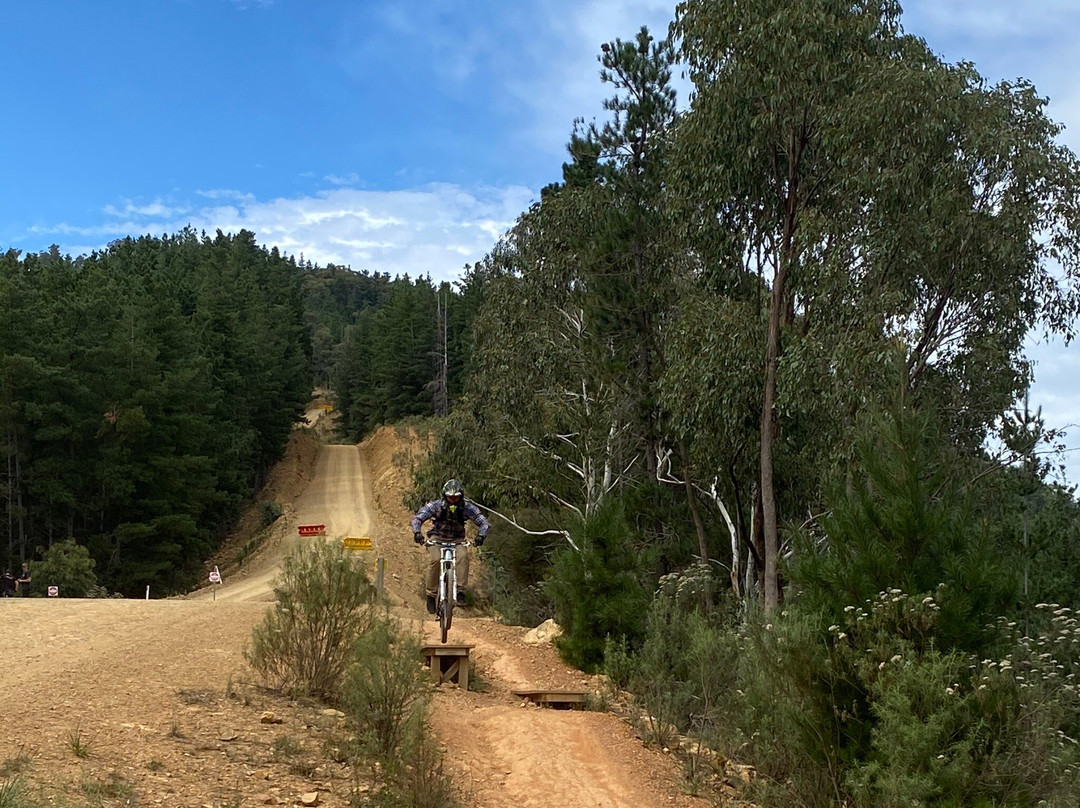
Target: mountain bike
444, 601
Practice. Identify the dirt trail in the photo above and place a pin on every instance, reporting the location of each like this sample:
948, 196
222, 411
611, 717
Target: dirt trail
504, 751
337, 497
150, 684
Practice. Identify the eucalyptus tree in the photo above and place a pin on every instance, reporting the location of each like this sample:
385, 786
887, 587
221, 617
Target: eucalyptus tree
888, 203
567, 346
710, 391
560, 425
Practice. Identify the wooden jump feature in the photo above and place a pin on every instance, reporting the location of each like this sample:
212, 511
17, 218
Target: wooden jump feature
449, 663
555, 699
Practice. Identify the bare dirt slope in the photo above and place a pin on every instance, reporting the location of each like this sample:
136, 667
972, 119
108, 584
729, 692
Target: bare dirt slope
336, 498
135, 702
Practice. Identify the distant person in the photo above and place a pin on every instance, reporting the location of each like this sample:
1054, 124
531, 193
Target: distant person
448, 517
7, 585
24, 580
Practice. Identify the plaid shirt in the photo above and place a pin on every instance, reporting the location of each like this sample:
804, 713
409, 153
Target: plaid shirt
433, 508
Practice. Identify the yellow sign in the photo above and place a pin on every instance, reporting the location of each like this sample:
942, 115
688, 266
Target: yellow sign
326, 407
357, 543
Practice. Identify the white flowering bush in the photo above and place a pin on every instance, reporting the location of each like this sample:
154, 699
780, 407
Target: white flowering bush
692, 587
871, 711
949, 729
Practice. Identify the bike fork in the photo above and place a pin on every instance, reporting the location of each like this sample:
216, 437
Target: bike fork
450, 566
448, 582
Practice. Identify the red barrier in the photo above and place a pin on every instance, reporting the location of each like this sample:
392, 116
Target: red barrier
311, 530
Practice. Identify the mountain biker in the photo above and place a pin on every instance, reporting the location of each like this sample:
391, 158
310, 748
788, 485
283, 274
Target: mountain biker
448, 517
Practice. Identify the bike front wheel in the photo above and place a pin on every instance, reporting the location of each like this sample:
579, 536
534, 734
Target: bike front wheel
446, 613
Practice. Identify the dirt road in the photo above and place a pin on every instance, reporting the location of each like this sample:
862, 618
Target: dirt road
158, 695
337, 498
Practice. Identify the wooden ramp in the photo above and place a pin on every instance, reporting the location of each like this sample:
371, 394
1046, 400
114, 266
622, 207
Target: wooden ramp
449, 663
556, 699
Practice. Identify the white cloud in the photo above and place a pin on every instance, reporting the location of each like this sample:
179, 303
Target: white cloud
361, 244
158, 209
535, 61
351, 178
435, 229
226, 193
437, 36
563, 82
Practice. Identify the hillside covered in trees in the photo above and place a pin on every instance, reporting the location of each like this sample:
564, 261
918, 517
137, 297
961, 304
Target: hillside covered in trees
146, 390
389, 348
747, 385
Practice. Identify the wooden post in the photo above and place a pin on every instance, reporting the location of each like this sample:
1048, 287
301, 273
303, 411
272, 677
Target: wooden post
380, 567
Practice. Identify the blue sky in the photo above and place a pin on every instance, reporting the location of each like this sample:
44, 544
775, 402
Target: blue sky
390, 136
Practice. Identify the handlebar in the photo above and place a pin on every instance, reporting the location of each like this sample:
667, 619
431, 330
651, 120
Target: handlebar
445, 543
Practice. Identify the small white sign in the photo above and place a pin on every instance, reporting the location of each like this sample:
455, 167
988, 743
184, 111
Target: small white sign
54, 591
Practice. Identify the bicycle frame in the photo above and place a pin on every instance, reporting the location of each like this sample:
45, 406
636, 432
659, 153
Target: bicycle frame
444, 603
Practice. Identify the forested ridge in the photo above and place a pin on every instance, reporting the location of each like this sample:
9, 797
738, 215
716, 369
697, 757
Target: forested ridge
147, 389
744, 391
390, 348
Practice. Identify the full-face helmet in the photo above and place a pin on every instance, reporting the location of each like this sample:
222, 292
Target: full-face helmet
452, 489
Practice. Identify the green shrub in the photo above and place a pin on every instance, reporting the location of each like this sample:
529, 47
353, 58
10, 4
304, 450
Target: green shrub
904, 519
783, 714
512, 575
269, 512
417, 780
323, 604
68, 566
868, 712
386, 698
922, 746
817, 696
950, 729
384, 694
685, 670
596, 589
15, 793
426, 783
